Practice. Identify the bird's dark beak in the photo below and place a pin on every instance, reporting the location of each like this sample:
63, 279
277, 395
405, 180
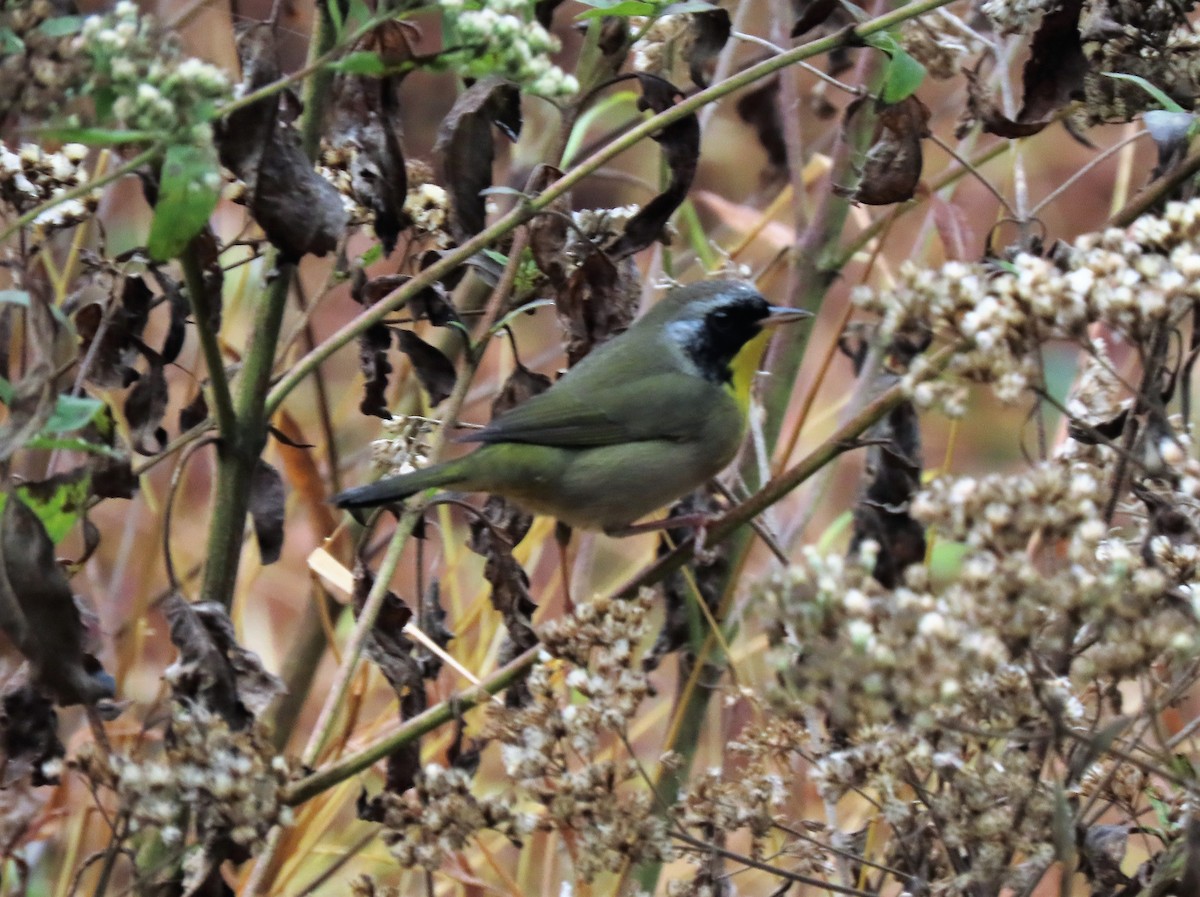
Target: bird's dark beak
780, 314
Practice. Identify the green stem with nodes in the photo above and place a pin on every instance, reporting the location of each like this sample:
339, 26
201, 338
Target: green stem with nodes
411, 730
533, 205
203, 313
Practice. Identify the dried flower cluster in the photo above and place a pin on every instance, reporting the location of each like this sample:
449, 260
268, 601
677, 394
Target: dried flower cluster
38, 62
502, 37
942, 700
1134, 280
662, 45
32, 176
552, 747
941, 42
403, 447
1015, 16
227, 785
439, 815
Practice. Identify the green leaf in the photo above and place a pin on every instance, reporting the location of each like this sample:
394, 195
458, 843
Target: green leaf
902, 77
371, 256
1163, 100
359, 13
187, 195
361, 62
72, 413
10, 43
60, 509
63, 26
903, 74
6, 391
601, 8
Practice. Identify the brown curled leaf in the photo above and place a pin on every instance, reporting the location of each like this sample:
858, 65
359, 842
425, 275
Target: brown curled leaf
710, 32
39, 613
267, 499
213, 670
680, 142
145, 406
433, 369
892, 168
466, 150
298, 210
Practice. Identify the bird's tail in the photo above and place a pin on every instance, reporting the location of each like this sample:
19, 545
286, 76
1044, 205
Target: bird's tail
394, 489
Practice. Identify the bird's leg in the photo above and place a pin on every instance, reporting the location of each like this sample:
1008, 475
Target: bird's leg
562, 535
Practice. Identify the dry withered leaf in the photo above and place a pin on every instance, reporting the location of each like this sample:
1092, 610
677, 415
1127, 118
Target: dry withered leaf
981, 108
298, 210
1101, 852
267, 500
392, 651
433, 305
892, 167
710, 32
28, 737
680, 142
543, 11
759, 108
194, 413
431, 618
39, 613
145, 406
434, 370
373, 347
30, 408
118, 327
893, 477
465, 148
1055, 70
213, 670
812, 14
367, 118
600, 300
548, 231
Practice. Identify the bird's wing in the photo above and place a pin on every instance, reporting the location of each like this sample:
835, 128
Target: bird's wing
638, 409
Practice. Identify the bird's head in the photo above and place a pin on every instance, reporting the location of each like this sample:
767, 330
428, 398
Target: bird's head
721, 328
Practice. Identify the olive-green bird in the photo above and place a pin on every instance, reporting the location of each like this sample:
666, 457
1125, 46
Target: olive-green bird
641, 421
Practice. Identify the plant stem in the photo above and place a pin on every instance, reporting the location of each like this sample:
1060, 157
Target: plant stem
202, 311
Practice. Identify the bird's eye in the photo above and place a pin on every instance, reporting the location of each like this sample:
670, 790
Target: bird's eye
720, 319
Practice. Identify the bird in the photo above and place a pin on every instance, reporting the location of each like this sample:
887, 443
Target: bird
645, 418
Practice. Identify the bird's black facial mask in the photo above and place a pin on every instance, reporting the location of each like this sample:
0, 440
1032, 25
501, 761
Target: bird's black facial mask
722, 334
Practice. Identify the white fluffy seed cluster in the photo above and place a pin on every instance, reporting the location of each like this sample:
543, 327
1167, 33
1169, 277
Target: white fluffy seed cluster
935, 681
1133, 280
941, 42
155, 87
1015, 16
404, 447
227, 785
31, 176
439, 816
502, 37
664, 46
582, 697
